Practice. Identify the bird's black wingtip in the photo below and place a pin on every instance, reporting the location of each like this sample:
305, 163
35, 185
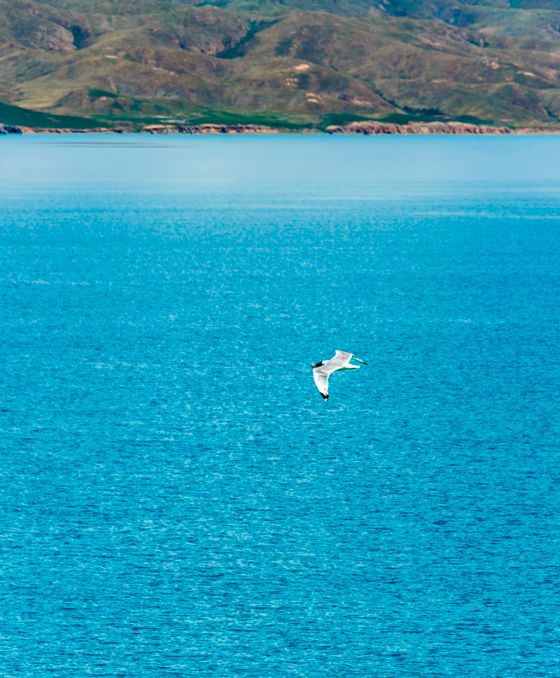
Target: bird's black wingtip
325, 396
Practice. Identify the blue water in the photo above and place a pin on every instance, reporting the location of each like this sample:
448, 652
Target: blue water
175, 497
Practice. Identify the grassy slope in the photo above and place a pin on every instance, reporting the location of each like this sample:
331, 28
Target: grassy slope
14, 115
283, 63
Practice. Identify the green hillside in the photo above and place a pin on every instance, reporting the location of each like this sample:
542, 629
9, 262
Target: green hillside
280, 62
14, 115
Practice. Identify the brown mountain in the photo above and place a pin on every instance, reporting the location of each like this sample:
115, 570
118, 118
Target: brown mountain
296, 63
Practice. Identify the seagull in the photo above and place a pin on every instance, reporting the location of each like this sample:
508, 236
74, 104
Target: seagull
324, 368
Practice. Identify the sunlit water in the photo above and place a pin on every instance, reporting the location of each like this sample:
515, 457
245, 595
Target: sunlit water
175, 497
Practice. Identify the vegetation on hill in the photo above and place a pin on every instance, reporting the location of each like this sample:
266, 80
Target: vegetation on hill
280, 62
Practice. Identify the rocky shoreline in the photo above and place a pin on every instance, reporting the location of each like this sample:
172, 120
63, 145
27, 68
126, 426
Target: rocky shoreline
364, 128
373, 127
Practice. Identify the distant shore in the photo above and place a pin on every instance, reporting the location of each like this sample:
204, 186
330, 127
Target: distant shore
363, 128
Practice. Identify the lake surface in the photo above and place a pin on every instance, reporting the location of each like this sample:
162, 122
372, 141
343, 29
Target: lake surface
175, 497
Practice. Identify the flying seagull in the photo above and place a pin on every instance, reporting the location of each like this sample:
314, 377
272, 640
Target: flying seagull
324, 368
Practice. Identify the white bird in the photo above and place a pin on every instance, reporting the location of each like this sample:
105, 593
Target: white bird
324, 368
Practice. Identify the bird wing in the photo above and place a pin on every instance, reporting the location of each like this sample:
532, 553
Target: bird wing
321, 379
338, 361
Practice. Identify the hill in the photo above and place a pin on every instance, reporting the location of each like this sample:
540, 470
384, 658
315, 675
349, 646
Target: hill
281, 62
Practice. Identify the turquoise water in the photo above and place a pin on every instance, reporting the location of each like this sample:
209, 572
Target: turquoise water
175, 497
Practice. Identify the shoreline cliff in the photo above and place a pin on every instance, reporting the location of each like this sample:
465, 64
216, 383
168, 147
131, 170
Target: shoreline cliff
365, 128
